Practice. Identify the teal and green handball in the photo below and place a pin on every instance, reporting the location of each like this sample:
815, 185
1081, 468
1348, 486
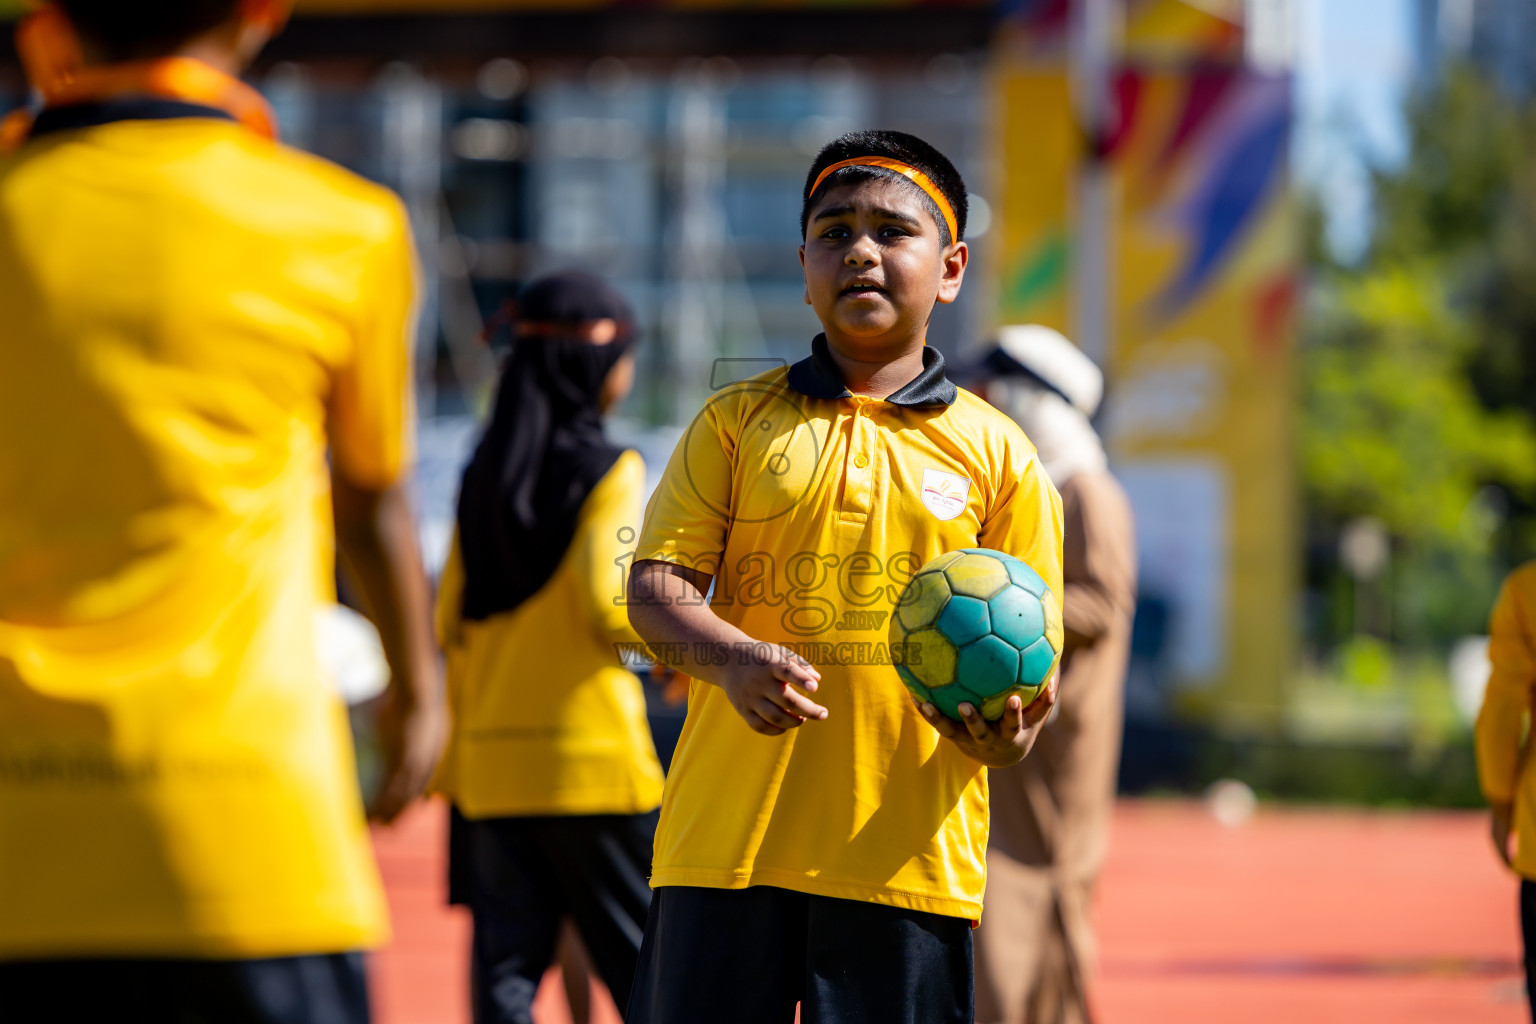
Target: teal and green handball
976, 626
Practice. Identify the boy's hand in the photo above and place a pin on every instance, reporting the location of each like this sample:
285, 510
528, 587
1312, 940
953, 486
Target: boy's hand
376, 539
995, 744
762, 689
1501, 826
412, 735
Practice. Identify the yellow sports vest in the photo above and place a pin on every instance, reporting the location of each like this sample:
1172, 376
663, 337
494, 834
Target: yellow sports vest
1504, 765
546, 718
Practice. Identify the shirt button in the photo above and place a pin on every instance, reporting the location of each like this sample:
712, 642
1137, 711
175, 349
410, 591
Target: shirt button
861, 461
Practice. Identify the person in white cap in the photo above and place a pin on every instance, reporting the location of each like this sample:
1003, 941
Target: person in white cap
1051, 812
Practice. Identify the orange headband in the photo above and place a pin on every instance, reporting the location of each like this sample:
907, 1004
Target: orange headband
916, 176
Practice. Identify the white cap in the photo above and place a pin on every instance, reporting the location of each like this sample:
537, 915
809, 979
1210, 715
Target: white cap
1061, 365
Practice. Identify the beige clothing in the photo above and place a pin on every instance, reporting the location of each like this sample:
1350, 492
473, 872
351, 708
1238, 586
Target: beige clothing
1027, 969
1050, 813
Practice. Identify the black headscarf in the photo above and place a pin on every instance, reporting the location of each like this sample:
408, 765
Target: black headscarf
544, 449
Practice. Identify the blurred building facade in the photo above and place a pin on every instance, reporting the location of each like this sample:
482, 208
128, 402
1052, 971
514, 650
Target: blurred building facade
663, 148
1144, 212
1498, 36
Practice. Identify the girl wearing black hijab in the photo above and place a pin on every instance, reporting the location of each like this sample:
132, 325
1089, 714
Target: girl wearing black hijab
550, 766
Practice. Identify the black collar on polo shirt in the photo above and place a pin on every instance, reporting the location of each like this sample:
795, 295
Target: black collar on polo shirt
122, 108
816, 376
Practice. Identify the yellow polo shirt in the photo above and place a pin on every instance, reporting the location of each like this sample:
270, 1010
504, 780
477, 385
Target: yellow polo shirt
193, 317
546, 718
1504, 767
813, 507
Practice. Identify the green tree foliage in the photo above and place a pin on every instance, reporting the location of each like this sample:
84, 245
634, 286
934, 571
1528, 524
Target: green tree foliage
1466, 142
1418, 363
1394, 427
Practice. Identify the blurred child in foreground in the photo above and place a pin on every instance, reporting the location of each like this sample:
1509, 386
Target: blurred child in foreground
1051, 812
1504, 767
550, 766
206, 350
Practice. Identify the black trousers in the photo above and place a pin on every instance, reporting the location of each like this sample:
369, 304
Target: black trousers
747, 956
322, 989
522, 876
1528, 937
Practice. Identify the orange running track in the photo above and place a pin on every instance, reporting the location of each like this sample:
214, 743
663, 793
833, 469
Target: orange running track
1317, 916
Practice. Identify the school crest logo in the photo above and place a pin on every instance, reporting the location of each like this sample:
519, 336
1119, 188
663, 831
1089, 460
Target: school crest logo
945, 494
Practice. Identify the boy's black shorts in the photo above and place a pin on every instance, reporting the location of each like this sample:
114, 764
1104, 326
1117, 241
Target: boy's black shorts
321, 989
747, 956
521, 877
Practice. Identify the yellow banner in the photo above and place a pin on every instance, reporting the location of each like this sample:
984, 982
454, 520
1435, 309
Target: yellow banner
1202, 280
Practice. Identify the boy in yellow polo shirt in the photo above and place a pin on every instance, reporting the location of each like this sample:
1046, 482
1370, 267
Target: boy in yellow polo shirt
197, 321
1504, 766
822, 840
